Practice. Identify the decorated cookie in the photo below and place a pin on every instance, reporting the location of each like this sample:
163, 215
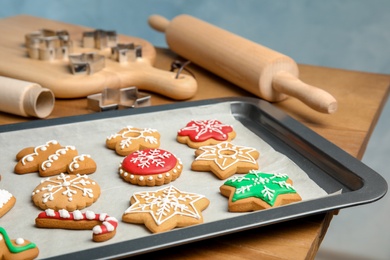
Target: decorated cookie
7, 201
70, 192
52, 159
16, 249
150, 167
102, 225
225, 159
30, 158
131, 139
198, 133
258, 190
165, 209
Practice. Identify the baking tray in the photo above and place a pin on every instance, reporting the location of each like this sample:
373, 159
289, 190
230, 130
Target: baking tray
343, 180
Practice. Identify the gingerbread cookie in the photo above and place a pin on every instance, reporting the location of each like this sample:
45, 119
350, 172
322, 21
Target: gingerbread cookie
30, 158
165, 209
16, 249
52, 159
258, 190
70, 192
225, 159
7, 201
150, 167
131, 139
198, 133
102, 225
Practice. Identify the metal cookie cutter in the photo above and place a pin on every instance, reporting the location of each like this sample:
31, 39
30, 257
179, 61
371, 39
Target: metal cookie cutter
86, 63
48, 44
126, 52
112, 99
99, 39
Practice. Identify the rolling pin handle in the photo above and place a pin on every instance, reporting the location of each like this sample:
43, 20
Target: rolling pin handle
158, 22
315, 98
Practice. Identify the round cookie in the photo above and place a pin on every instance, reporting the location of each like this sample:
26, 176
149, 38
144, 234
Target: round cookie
225, 159
131, 139
150, 167
198, 133
70, 192
258, 191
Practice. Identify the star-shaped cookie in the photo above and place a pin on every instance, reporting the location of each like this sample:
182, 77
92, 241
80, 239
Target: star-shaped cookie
165, 209
259, 190
225, 159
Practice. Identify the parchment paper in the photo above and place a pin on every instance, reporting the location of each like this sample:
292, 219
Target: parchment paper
89, 138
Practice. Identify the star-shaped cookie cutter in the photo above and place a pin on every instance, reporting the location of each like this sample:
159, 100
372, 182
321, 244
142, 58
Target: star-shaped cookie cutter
86, 63
113, 99
126, 52
99, 39
48, 44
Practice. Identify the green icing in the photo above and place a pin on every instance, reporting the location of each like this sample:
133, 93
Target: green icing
260, 185
14, 249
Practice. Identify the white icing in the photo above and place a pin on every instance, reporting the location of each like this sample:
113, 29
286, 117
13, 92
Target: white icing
5, 196
74, 164
153, 157
165, 203
64, 213
226, 155
50, 213
97, 230
131, 134
54, 157
30, 157
102, 216
77, 215
19, 241
109, 226
90, 214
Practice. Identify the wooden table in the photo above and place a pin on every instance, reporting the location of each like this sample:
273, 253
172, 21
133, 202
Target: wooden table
361, 97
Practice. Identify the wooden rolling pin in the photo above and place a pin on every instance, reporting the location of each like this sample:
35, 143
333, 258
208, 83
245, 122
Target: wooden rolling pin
262, 71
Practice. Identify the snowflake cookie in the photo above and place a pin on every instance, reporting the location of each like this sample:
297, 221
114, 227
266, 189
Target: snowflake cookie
150, 167
70, 192
225, 159
259, 190
52, 159
165, 209
198, 133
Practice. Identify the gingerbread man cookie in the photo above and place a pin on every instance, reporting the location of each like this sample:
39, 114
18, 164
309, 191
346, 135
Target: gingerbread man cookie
225, 159
198, 133
259, 190
52, 159
102, 225
150, 167
70, 192
165, 209
131, 139
16, 249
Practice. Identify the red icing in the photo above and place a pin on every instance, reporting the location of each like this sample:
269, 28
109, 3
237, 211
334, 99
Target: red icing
202, 130
149, 161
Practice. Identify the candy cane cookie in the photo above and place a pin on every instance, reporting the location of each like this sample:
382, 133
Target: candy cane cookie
16, 249
103, 226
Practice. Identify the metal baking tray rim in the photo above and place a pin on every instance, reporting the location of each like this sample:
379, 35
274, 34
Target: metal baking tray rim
368, 185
